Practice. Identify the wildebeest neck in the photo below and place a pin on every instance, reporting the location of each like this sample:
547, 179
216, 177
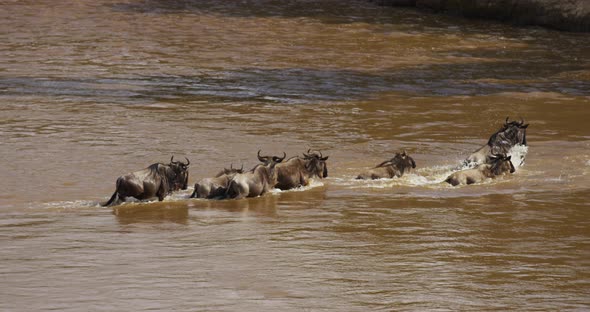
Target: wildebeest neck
510, 134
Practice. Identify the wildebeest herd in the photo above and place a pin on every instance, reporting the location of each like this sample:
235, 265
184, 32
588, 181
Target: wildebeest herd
159, 180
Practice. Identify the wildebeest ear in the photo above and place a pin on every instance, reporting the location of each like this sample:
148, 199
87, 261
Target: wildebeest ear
525, 126
508, 158
324, 158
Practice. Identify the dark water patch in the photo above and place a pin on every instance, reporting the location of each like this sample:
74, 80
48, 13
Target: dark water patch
330, 11
304, 85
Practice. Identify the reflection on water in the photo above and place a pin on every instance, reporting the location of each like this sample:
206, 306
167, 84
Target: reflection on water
129, 214
94, 89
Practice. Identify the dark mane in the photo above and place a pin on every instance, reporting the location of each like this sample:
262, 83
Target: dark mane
508, 135
222, 172
255, 167
164, 172
386, 163
153, 168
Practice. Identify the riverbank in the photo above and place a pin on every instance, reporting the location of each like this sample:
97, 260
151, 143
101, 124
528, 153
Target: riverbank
568, 15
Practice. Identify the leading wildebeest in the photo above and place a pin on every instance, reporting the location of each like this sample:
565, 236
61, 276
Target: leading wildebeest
297, 171
512, 133
257, 181
500, 165
395, 167
157, 180
215, 187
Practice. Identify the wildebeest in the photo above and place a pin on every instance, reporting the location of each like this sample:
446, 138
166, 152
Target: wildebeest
215, 187
157, 180
395, 167
257, 181
511, 134
297, 171
500, 165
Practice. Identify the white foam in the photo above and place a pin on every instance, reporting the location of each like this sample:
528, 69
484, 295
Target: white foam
180, 195
423, 177
518, 153
313, 183
72, 204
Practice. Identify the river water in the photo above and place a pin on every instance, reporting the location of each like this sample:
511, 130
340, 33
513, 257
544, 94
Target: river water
91, 90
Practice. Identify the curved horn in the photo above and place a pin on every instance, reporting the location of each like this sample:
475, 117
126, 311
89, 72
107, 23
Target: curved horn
506, 122
172, 159
404, 152
521, 121
321, 156
242, 169
188, 162
231, 166
261, 158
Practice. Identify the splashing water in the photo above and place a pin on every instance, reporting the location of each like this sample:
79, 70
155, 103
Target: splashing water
313, 183
518, 153
428, 176
68, 205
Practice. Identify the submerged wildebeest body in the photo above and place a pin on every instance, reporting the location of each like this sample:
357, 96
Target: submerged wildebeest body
296, 171
395, 167
512, 133
500, 165
257, 181
217, 186
157, 180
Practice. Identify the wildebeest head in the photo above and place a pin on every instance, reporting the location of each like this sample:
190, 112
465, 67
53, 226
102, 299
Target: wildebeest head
180, 180
501, 164
316, 163
511, 134
230, 171
271, 161
402, 161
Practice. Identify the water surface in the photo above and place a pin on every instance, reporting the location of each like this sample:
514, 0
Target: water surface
94, 89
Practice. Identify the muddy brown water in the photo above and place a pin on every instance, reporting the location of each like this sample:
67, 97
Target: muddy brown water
90, 90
